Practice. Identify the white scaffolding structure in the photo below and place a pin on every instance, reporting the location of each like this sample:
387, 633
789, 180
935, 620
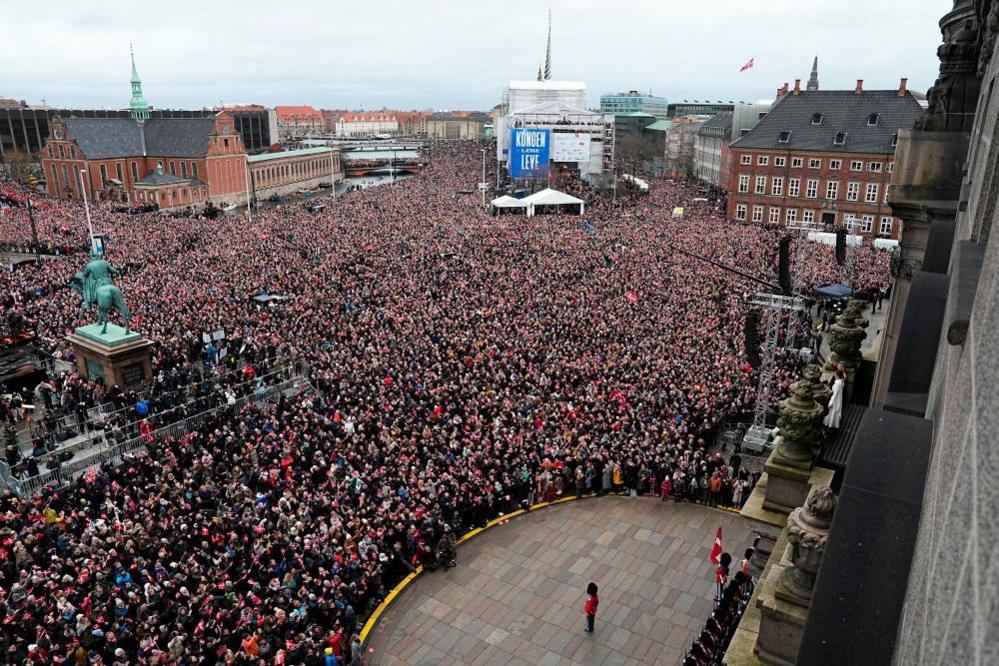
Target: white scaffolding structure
774, 307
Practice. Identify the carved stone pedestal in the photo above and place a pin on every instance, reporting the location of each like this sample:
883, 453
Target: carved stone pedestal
116, 358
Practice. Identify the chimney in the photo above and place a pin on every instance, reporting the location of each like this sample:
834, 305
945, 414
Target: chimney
797, 86
903, 86
860, 86
785, 88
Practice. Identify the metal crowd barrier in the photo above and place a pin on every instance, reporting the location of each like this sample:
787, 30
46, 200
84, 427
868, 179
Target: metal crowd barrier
114, 453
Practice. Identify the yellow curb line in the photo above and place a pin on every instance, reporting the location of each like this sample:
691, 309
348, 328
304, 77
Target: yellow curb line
390, 597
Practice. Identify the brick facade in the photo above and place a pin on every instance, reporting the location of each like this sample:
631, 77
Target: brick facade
849, 198
218, 176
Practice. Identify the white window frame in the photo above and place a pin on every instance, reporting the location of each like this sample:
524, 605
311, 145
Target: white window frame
890, 167
761, 185
740, 211
867, 223
890, 222
808, 215
779, 161
746, 159
791, 215
763, 160
796, 162
793, 187
814, 163
774, 215
875, 167
757, 213
856, 165
871, 193
776, 185
744, 182
832, 190
835, 165
812, 189
853, 191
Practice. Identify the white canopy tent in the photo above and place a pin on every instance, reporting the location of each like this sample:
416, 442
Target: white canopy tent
509, 204
549, 198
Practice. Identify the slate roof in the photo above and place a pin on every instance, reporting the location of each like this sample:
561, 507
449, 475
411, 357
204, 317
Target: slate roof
718, 125
842, 111
102, 138
161, 179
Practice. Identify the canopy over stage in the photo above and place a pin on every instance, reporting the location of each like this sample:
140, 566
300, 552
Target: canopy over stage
545, 201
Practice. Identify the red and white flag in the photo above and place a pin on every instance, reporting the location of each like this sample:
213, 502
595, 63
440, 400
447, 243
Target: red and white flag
716, 550
751, 63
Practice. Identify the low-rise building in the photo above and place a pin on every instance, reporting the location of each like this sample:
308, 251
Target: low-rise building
457, 125
298, 122
712, 158
292, 170
634, 102
822, 156
366, 124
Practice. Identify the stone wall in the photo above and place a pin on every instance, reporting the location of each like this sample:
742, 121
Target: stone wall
952, 599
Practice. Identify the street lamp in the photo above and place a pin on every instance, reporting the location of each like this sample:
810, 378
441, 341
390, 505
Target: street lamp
482, 184
86, 207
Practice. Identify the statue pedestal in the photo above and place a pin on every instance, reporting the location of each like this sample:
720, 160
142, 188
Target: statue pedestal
113, 357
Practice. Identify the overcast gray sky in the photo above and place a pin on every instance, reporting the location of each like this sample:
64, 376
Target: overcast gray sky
452, 53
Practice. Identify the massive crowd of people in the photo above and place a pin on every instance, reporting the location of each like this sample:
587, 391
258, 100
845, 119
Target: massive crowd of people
464, 366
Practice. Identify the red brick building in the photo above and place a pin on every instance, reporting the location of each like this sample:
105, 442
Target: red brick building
171, 162
298, 122
822, 156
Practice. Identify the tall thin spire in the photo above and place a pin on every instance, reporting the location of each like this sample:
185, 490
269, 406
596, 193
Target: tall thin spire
548, 50
139, 108
540, 74
813, 79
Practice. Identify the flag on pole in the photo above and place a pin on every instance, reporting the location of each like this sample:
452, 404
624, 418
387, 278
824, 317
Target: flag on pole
716, 550
751, 63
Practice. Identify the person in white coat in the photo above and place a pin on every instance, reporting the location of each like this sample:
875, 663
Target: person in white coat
836, 402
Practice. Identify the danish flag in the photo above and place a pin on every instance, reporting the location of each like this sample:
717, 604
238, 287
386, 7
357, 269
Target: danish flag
716, 550
751, 63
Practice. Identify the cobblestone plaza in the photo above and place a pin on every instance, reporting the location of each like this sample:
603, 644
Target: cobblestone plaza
516, 596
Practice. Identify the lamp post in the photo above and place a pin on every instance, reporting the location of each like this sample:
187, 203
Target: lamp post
482, 183
86, 207
249, 200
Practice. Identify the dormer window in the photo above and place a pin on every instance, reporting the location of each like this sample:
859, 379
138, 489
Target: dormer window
816, 118
894, 140
872, 120
840, 138
784, 137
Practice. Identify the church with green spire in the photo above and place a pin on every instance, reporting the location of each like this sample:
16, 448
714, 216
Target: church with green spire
139, 107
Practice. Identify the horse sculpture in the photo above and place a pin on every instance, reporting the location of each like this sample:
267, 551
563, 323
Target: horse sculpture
103, 296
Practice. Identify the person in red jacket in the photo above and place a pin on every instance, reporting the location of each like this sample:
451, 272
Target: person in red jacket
590, 609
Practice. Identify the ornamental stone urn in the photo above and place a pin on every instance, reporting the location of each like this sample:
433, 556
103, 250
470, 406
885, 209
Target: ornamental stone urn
800, 426
845, 338
807, 535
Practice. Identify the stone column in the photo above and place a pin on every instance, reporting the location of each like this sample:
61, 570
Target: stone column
789, 467
785, 591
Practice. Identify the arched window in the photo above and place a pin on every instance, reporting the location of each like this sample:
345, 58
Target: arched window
117, 170
135, 174
183, 169
104, 175
194, 169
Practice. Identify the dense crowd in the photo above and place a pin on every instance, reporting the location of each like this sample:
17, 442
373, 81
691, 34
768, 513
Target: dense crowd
465, 365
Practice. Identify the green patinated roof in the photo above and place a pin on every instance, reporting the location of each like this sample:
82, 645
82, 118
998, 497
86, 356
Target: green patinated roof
289, 153
635, 114
660, 126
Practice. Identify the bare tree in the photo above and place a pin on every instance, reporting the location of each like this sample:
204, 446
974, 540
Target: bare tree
635, 150
21, 167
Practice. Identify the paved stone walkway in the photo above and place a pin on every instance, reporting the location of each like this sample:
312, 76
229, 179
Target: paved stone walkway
517, 594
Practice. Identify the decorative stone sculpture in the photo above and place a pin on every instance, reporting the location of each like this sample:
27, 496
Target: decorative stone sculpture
97, 288
845, 337
954, 95
800, 428
812, 375
807, 534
